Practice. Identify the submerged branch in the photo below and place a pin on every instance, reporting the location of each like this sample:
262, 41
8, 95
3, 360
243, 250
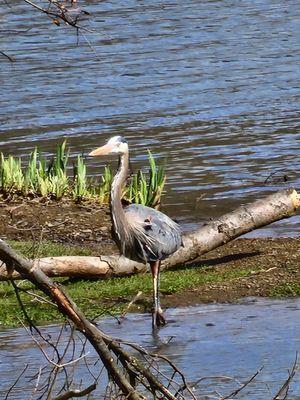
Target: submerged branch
7, 56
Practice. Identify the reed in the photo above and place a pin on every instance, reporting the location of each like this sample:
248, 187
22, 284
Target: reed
80, 191
105, 185
49, 179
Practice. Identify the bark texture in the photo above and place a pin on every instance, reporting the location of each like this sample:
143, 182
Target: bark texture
282, 204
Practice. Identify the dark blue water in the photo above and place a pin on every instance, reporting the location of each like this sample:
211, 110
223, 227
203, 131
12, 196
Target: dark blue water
211, 86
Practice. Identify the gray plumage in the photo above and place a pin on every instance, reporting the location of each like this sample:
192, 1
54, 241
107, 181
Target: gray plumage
141, 233
154, 235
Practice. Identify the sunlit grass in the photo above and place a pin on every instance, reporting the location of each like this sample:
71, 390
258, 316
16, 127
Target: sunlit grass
48, 179
101, 297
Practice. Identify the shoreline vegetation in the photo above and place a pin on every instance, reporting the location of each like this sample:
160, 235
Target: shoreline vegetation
48, 179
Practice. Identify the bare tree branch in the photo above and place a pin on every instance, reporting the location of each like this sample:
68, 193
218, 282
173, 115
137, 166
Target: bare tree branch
16, 381
133, 373
7, 56
283, 391
58, 12
238, 390
76, 393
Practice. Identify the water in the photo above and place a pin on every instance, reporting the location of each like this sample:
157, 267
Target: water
232, 340
211, 86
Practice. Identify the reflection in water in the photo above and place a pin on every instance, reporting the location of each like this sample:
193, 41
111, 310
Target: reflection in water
232, 340
213, 87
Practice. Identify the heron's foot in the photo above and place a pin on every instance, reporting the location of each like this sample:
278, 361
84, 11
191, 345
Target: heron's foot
158, 319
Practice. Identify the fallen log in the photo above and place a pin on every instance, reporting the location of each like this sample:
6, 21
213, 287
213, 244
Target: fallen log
282, 204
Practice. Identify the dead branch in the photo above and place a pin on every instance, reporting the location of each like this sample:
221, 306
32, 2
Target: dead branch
76, 393
217, 232
58, 366
37, 383
130, 304
7, 56
120, 364
238, 390
16, 381
58, 12
283, 390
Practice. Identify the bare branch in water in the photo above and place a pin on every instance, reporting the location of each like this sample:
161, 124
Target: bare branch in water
238, 390
7, 56
16, 381
129, 376
283, 391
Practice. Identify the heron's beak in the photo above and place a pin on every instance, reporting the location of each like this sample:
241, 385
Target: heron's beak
102, 151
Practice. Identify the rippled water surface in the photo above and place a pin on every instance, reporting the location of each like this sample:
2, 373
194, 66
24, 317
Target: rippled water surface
228, 340
211, 86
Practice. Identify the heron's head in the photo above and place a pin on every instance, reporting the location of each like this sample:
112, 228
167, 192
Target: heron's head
115, 145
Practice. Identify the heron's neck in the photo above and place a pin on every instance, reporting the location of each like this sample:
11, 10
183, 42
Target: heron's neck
118, 183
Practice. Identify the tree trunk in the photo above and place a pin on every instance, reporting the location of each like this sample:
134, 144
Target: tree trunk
217, 232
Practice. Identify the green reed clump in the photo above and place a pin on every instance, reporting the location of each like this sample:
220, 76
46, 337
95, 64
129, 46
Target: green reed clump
49, 179
147, 190
39, 178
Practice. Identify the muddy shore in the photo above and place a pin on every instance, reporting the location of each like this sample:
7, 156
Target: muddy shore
273, 263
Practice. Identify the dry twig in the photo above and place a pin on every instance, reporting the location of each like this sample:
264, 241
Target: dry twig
283, 391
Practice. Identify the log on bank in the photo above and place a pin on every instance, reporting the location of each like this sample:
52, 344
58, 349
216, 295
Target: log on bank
282, 204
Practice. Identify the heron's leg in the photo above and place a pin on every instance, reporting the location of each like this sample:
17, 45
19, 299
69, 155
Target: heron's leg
160, 311
157, 313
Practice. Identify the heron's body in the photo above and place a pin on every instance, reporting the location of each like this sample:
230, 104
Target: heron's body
142, 233
155, 237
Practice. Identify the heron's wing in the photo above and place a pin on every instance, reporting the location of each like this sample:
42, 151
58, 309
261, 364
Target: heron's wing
156, 236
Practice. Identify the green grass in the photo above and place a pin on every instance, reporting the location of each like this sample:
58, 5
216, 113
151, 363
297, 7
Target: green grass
34, 249
286, 290
48, 179
100, 297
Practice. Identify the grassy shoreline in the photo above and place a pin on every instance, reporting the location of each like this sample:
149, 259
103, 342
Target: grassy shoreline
94, 297
111, 296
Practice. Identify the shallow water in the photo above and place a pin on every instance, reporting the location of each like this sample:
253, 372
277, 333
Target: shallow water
233, 340
211, 86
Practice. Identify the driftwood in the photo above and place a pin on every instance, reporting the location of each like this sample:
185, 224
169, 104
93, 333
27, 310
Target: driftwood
215, 233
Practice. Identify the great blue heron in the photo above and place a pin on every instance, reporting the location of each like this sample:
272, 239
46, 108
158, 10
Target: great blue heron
141, 233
